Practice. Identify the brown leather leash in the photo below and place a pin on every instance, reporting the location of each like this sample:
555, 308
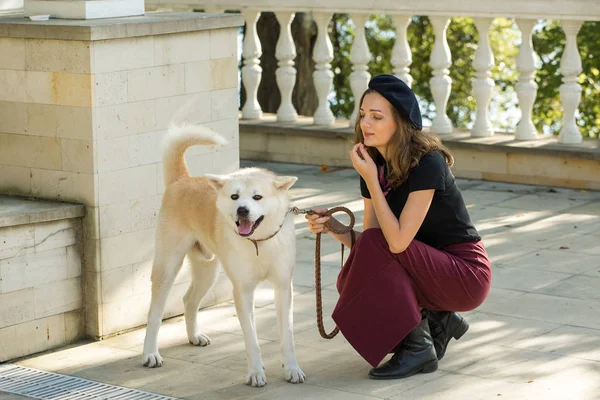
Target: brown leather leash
340, 231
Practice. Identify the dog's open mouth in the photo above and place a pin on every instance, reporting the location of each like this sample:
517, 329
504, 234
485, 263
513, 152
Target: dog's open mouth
247, 227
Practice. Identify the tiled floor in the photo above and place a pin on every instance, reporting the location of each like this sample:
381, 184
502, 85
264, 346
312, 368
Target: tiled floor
537, 336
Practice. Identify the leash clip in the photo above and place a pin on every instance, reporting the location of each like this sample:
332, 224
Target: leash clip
298, 211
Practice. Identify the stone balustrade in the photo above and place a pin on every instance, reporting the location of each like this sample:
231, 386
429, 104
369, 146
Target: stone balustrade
571, 15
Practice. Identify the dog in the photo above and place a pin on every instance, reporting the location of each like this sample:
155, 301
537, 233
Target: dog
240, 220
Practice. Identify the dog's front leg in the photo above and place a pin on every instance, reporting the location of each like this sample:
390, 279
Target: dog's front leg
244, 304
285, 318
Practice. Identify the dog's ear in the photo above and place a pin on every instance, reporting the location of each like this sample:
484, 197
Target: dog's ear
284, 182
216, 181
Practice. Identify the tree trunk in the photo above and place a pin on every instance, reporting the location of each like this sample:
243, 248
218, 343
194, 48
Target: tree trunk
304, 32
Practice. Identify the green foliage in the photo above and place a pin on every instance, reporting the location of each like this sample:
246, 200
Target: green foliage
463, 37
342, 35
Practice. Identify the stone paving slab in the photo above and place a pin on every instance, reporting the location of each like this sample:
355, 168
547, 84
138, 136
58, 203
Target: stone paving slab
537, 335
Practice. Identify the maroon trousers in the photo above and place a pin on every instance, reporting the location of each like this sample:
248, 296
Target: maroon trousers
381, 292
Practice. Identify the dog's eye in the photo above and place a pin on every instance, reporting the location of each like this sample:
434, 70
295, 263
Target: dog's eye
257, 197
235, 197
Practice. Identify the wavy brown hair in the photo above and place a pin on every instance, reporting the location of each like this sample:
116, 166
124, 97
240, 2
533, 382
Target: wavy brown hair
406, 147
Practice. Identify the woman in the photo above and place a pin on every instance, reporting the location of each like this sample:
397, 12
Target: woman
419, 254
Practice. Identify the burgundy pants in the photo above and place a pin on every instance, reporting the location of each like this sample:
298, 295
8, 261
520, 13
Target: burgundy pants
381, 292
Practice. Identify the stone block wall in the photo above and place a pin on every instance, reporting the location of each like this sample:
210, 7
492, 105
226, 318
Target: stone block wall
83, 111
41, 300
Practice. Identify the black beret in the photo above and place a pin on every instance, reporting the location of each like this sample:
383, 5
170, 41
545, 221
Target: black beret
400, 96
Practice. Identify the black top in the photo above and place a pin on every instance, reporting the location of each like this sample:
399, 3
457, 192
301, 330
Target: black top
447, 221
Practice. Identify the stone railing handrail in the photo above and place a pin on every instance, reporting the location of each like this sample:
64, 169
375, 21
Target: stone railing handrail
583, 10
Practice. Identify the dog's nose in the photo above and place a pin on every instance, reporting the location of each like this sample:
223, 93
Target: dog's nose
243, 212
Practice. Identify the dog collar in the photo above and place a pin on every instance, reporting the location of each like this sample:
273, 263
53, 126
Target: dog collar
255, 241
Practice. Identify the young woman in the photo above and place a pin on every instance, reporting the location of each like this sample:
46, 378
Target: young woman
420, 259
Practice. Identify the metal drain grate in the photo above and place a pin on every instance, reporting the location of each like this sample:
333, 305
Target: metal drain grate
49, 386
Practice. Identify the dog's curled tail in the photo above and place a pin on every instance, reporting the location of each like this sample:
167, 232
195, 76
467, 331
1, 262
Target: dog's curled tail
178, 139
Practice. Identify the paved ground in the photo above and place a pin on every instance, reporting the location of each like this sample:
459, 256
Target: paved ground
537, 336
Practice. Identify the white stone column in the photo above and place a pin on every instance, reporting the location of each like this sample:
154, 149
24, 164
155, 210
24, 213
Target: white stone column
483, 84
323, 76
401, 54
526, 87
570, 90
285, 52
440, 83
360, 56
251, 71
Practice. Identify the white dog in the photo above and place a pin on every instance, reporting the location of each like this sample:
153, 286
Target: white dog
242, 220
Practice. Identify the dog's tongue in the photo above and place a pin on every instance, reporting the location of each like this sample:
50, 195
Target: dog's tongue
245, 227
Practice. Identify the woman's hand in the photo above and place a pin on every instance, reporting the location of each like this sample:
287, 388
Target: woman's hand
363, 163
316, 223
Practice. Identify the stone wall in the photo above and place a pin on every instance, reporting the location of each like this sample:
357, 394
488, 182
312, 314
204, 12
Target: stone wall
83, 110
41, 299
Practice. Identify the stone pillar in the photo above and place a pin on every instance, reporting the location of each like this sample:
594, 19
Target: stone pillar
483, 84
323, 75
360, 57
526, 87
83, 110
285, 52
401, 53
570, 89
251, 72
441, 83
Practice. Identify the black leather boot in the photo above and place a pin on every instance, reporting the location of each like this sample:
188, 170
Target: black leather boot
397, 348
445, 325
415, 354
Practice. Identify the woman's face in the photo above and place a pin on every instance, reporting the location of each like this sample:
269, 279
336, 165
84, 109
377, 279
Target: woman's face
377, 121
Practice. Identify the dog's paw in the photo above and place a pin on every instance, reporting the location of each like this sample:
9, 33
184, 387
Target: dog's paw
257, 379
199, 339
294, 374
153, 360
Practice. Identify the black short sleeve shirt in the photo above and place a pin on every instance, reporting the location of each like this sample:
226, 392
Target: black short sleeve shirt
447, 221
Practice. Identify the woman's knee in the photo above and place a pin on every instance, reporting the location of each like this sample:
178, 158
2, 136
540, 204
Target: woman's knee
372, 235
372, 239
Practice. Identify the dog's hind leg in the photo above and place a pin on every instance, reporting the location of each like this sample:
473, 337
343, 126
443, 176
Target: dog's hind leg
204, 270
169, 254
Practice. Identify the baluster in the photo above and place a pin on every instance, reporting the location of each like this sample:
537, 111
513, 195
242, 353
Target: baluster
360, 57
323, 76
570, 90
440, 82
251, 72
526, 87
401, 54
285, 52
483, 85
